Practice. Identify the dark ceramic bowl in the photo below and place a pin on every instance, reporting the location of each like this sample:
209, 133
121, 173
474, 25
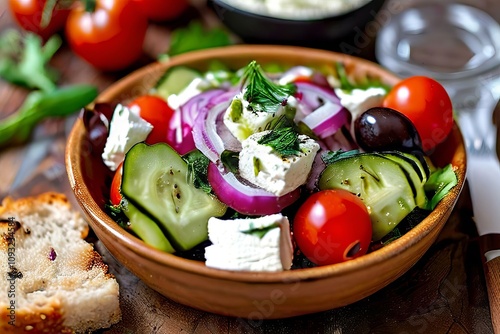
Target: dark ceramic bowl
256, 28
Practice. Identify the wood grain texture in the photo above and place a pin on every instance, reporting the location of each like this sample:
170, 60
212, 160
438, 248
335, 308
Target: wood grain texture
492, 274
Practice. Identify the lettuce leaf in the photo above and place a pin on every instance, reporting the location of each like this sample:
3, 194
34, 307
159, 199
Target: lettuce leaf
440, 182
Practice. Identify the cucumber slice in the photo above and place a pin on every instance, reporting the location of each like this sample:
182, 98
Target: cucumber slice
147, 229
421, 160
410, 164
155, 179
381, 183
175, 80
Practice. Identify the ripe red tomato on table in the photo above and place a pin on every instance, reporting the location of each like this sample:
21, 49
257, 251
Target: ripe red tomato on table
427, 104
332, 226
108, 34
28, 14
163, 10
157, 112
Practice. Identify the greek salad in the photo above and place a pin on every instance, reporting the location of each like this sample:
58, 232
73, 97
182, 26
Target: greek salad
265, 168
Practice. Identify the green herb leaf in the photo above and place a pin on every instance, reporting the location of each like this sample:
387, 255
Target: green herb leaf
197, 170
439, 184
117, 214
262, 93
285, 141
260, 232
23, 60
367, 82
230, 160
38, 105
332, 156
195, 37
284, 121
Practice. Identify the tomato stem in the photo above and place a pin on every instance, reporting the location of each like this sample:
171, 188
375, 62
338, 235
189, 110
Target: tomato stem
90, 5
48, 8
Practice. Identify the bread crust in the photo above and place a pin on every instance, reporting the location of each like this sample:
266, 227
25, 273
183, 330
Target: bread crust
58, 282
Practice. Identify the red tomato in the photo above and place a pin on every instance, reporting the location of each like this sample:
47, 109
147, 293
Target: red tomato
163, 10
28, 14
157, 112
427, 104
115, 194
332, 226
109, 36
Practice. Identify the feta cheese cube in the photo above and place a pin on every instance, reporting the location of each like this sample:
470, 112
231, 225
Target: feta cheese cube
194, 88
125, 130
360, 100
257, 244
243, 122
262, 166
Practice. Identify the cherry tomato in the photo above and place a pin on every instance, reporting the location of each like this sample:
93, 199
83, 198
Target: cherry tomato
332, 226
157, 112
115, 194
108, 35
427, 104
163, 10
28, 14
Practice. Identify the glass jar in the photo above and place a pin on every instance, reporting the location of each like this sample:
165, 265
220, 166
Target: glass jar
456, 44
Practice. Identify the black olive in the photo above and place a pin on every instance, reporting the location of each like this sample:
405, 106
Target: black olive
96, 122
385, 129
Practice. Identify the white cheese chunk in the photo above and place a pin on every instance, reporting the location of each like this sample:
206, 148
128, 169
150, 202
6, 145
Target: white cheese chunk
125, 130
257, 244
243, 122
360, 100
262, 166
194, 88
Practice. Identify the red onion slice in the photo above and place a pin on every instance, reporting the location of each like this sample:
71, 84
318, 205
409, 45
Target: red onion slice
312, 96
180, 135
205, 135
244, 198
327, 119
210, 134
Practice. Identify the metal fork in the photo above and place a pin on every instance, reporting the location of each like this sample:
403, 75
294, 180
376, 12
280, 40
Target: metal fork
483, 167
483, 174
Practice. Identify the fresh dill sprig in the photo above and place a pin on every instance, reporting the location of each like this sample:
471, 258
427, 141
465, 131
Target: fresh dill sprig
260, 232
262, 93
285, 141
197, 170
117, 214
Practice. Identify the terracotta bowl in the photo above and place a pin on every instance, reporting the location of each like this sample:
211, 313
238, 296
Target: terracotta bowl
253, 295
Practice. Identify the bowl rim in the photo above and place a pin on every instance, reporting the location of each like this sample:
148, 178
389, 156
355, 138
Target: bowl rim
264, 16
98, 216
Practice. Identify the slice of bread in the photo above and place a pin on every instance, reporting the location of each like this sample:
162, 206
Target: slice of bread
52, 280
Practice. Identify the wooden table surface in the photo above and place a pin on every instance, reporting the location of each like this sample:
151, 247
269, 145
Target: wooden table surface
443, 293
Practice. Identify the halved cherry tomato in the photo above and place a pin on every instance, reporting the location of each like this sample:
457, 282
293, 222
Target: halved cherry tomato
115, 195
28, 14
108, 34
332, 226
157, 112
427, 104
163, 10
